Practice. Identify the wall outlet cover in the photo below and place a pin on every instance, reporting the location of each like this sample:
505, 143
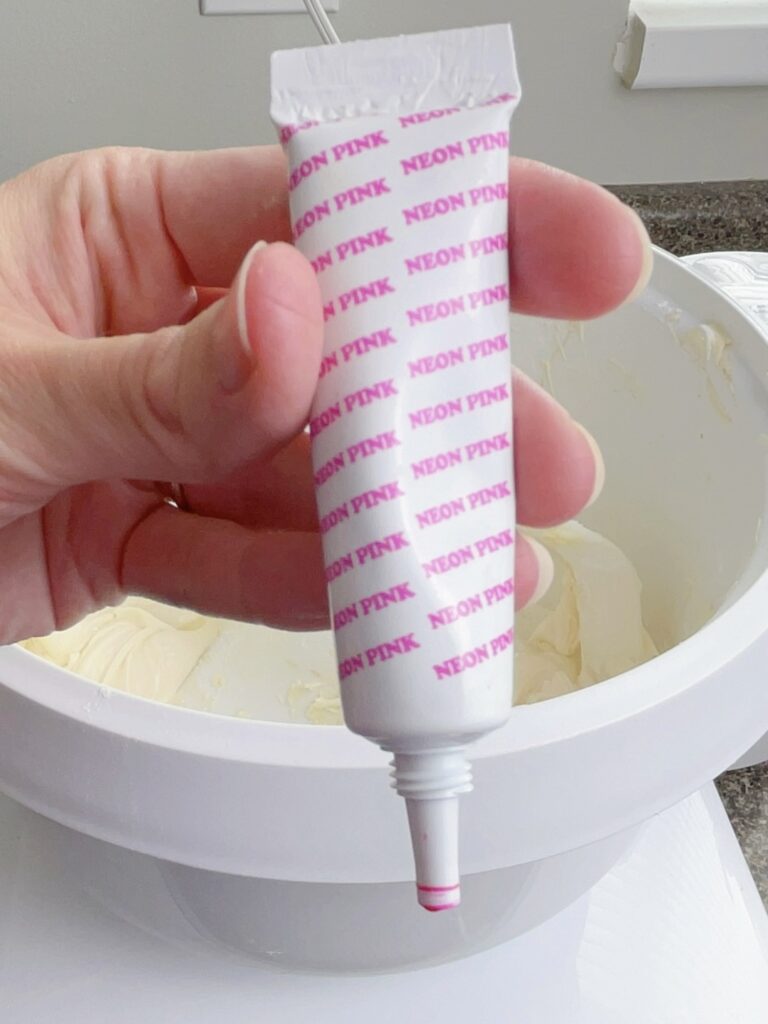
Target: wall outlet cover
260, 6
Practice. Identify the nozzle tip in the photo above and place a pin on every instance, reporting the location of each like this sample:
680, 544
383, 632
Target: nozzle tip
431, 782
439, 897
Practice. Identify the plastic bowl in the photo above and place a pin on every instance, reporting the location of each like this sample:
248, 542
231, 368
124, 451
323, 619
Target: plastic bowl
286, 842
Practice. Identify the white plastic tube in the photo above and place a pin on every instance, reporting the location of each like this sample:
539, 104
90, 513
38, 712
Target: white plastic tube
398, 155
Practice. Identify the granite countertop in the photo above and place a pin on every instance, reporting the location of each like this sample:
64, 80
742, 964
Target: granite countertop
702, 216
745, 795
712, 217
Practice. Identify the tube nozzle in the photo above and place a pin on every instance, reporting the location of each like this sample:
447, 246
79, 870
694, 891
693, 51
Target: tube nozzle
434, 828
431, 783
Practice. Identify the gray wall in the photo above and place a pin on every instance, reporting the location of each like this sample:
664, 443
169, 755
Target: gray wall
81, 73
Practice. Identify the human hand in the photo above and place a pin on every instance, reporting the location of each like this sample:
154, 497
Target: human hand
143, 339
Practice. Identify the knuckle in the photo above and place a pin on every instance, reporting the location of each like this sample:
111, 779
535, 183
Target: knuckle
168, 406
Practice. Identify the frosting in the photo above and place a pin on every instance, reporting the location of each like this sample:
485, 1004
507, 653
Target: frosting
141, 647
586, 629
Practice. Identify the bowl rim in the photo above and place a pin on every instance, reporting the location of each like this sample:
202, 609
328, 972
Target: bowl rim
300, 745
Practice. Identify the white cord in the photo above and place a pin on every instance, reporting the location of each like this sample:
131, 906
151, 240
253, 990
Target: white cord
322, 23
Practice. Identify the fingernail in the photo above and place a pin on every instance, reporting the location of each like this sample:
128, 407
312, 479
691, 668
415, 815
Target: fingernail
546, 569
241, 287
647, 267
597, 455
236, 364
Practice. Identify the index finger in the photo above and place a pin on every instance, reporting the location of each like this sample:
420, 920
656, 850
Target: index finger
576, 251
216, 204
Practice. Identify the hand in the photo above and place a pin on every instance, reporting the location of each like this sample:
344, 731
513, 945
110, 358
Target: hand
133, 349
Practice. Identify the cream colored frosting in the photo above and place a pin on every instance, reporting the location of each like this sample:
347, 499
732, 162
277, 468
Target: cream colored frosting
141, 647
586, 629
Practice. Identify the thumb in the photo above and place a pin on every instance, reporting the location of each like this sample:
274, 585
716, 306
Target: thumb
186, 403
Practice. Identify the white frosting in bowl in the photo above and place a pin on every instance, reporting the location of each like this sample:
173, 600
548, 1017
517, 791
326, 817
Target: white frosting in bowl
141, 647
585, 630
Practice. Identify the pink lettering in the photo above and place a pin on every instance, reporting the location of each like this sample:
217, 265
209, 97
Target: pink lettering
363, 144
436, 311
392, 649
434, 208
433, 158
496, 542
500, 643
485, 446
384, 598
349, 666
384, 546
426, 115
436, 463
311, 217
374, 393
462, 662
368, 342
433, 260
290, 130
452, 612
329, 469
364, 293
499, 592
488, 141
446, 563
362, 243
431, 364
370, 445
503, 97
439, 513
344, 616
322, 262
488, 194
329, 310
489, 244
328, 363
376, 496
436, 413
338, 568
487, 296
324, 419
306, 169
486, 495
334, 517
487, 347
360, 193
488, 396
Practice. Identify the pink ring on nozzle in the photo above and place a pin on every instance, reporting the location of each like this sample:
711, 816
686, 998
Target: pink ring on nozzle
439, 897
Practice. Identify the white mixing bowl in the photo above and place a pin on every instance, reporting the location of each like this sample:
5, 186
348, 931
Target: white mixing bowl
286, 841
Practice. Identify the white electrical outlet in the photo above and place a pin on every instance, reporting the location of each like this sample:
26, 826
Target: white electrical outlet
260, 6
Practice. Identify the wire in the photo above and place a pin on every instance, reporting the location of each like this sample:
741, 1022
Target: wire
321, 21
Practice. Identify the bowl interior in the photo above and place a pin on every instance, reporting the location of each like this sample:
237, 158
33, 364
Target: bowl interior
679, 411
675, 392
674, 389
677, 404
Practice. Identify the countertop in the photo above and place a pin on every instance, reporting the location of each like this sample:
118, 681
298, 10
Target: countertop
711, 217
702, 216
745, 795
